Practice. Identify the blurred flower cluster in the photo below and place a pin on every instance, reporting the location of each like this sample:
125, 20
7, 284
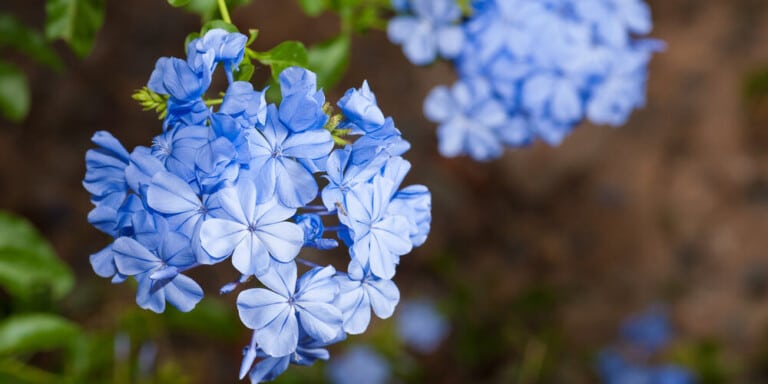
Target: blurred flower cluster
634, 359
240, 182
528, 69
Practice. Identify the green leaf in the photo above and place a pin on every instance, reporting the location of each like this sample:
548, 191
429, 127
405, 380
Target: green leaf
28, 263
14, 93
313, 7
33, 332
211, 318
209, 9
284, 55
74, 21
13, 371
16, 35
330, 60
244, 72
179, 3
213, 24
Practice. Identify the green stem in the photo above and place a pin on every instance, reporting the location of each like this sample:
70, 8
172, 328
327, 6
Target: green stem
224, 12
213, 102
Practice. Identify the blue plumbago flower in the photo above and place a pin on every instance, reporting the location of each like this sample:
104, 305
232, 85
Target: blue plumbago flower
359, 364
275, 161
649, 330
530, 69
361, 292
302, 105
252, 233
380, 238
421, 326
634, 358
216, 46
269, 367
429, 32
361, 111
470, 119
240, 181
159, 272
277, 313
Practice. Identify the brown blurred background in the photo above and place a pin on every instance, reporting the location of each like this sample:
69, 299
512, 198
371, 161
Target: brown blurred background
554, 245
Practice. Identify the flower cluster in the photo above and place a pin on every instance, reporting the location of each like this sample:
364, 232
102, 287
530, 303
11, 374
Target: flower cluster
643, 337
240, 183
528, 69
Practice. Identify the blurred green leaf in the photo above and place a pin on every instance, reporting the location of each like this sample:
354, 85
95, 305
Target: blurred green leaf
313, 7
33, 332
210, 317
244, 72
13, 371
213, 24
330, 60
284, 55
28, 262
209, 9
179, 3
16, 35
14, 93
74, 21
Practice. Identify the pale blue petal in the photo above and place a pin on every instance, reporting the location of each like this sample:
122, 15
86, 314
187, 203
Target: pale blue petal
132, 258
281, 336
281, 278
321, 321
103, 262
183, 293
283, 240
383, 295
258, 307
220, 237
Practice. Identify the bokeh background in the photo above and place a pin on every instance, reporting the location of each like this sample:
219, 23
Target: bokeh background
534, 259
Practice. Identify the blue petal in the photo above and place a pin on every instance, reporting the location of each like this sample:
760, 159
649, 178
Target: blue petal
383, 295
183, 293
132, 258
259, 307
220, 237
321, 321
103, 262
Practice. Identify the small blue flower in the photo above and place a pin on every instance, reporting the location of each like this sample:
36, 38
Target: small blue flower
360, 292
216, 46
359, 364
275, 166
469, 119
178, 148
649, 330
421, 326
105, 180
360, 110
430, 32
158, 272
252, 233
643, 336
302, 106
185, 88
343, 175
313, 228
277, 313
379, 238
247, 106
269, 367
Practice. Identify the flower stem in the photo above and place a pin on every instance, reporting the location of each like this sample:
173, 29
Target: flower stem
224, 12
